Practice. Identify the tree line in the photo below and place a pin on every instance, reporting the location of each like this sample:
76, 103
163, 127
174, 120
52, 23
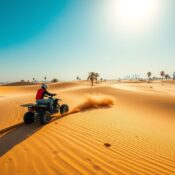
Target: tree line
162, 74
54, 80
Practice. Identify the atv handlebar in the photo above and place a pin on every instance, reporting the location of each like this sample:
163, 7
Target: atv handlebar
53, 95
50, 96
56, 98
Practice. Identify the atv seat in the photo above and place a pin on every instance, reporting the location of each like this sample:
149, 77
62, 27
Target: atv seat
43, 104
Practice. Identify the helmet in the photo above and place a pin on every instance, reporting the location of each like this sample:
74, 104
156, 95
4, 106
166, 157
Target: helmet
44, 86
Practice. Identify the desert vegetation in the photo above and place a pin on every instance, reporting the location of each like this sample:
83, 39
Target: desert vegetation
149, 75
93, 76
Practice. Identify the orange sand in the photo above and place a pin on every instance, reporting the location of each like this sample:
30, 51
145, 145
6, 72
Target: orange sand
132, 137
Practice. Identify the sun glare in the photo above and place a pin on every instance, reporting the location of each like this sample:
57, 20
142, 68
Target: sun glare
132, 11
135, 14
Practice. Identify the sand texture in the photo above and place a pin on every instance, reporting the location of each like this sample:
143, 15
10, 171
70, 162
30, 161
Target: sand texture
111, 129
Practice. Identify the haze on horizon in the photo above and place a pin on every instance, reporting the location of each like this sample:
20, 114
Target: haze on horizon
64, 39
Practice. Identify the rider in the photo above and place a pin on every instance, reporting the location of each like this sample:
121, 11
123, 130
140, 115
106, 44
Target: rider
41, 93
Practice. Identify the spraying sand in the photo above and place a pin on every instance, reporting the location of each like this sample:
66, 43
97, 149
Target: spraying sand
93, 101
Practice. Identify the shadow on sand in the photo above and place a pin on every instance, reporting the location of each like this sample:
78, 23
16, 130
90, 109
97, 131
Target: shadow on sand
12, 138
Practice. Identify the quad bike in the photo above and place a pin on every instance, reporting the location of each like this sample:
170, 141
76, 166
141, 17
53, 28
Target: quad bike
42, 112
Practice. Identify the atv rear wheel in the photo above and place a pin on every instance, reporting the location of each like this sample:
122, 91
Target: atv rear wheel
29, 117
44, 117
64, 109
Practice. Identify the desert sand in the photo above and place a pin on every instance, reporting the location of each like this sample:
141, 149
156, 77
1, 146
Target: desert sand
112, 128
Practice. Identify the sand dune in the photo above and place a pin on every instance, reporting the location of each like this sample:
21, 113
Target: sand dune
154, 88
134, 134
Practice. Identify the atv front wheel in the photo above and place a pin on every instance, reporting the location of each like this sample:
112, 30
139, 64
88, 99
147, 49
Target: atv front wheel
64, 109
29, 117
44, 117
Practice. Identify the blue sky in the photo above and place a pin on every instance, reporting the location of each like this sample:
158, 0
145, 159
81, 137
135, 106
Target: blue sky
66, 38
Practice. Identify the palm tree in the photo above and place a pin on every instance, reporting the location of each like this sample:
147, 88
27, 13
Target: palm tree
162, 73
167, 76
96, 77
33, 79
45, 78
78, 78
92, 77
149, 75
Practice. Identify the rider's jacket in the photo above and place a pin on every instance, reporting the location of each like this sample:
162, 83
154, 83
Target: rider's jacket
41, 93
